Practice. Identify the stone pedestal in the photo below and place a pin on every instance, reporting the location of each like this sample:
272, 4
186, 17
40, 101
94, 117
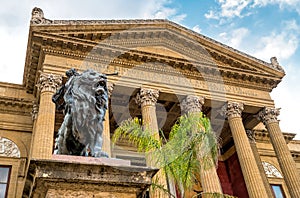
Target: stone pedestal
74, 176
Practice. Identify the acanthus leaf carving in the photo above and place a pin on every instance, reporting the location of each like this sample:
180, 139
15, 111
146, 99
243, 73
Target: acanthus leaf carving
147, 96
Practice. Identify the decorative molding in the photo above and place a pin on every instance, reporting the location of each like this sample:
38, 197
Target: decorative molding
268, 115
147, 96
192, 104
8, 148
232, 109
251, 135
271, 170
49, 82
35, 109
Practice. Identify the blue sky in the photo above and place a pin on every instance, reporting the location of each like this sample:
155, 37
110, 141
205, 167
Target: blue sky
261, 28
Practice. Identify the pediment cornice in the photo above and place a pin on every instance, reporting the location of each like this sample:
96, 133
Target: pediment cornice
125, 39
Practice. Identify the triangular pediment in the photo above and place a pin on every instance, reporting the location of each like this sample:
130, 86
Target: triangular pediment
158, 40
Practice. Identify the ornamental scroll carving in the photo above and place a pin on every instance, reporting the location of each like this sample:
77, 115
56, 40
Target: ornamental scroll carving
192, 104
271, 171
8, 148
49, 82
232, 109
268, 115
147, 97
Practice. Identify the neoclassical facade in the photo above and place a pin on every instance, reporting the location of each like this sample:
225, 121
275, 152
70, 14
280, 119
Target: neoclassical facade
163, 71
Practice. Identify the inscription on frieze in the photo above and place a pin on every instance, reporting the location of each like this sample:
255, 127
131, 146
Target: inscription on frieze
169, 76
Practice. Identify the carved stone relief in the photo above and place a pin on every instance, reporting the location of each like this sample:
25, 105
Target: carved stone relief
271, 171
8, 148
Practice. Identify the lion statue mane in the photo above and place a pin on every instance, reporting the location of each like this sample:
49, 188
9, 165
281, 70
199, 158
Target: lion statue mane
83, 98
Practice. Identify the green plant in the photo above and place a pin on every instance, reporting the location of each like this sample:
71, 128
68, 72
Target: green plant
192, 145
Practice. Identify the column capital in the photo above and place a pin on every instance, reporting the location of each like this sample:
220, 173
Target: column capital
49, 82
192, 104
268, 115
147, 96
232, 109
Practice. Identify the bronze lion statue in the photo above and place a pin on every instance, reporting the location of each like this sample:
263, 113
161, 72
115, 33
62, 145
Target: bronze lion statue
83, 98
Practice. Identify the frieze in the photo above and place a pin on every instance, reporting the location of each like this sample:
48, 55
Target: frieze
171, 76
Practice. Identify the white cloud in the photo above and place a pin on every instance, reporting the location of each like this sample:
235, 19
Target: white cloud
235, 37
282, 45
196, 28
233, 8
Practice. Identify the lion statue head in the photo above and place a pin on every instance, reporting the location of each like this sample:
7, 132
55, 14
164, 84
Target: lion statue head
85, 99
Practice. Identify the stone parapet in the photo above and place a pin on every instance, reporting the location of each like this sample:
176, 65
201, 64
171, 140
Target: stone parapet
68, 176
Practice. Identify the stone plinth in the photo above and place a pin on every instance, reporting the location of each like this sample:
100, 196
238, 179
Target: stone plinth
73, 176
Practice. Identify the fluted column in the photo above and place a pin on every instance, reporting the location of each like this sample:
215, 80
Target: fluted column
106, 146
147, 99
288, 167
252, 177
251, 138
209, 178
44, 127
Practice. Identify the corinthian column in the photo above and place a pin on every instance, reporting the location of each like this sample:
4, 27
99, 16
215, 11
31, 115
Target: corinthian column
44, 127
288, 167
147, 99
106, 146
209, 178
252, 177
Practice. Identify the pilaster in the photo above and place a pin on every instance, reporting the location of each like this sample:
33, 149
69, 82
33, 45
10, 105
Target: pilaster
44, 127
288, 167
106, 146
252, 177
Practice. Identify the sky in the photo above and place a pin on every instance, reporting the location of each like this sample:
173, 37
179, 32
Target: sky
260, 28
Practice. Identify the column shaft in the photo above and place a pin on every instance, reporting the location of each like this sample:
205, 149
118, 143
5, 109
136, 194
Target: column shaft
259, 163
252, 177
209, 178
147, 98
43, 136
106, 145
286, 162
285, 159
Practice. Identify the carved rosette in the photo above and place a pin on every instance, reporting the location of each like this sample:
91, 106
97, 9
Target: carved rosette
147, 97
34, 111
232, 109
49, 82
268, 115
192, 104
8, 148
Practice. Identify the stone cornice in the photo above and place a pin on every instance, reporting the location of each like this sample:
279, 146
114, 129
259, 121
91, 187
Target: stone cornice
214, 46
263, 136
77, 38
18, 106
